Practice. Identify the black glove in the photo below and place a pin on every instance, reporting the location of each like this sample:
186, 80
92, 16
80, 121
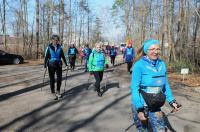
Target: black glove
174, 101
140, 110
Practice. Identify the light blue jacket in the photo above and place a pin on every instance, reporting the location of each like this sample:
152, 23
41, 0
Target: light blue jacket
129, 54
151, 74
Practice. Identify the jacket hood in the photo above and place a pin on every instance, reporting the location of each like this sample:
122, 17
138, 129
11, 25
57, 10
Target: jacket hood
95, 51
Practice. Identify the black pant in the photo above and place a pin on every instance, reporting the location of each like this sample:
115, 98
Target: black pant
52, 71
112, 59
129, 65
86, 60
98, 75
72, 60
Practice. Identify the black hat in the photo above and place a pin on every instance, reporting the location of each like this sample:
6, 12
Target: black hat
55, 36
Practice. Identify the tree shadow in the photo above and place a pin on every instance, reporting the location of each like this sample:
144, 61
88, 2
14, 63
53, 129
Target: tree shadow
82, 123
35, 117
109, 86
35, 114
36, 78
31, 88
188, 97
109, 70
6, 96
169, 126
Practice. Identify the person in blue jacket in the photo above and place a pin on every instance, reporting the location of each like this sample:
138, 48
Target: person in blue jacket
72, 51
113, 53
53, 54
86, 51
150, 88
129, 55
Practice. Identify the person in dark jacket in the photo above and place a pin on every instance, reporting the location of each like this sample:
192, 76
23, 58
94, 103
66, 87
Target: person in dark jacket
53, 54
113, 53
86, 51
72, 51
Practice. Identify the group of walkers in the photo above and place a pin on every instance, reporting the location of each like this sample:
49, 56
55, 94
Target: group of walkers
94, 61
149, 84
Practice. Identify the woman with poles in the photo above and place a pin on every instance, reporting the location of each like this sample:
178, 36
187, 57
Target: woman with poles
53, 54
150, 88
97, 61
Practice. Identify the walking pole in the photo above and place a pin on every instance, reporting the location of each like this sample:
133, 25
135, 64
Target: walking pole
106, 81
44, 76
66, 78
89, 80
172, 111
106, 76
129, 126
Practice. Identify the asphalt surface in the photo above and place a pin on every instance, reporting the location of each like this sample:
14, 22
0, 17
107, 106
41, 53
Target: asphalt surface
26, 103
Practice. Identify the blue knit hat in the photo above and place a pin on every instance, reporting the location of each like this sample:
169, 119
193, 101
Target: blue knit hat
149, 43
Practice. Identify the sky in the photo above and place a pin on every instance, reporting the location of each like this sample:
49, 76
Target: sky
102, 9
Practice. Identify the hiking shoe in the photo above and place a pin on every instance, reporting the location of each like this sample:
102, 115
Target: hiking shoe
58, 94
54, 97
100, 94
95, 89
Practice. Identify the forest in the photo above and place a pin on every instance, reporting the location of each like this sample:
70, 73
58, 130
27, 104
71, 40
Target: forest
26, 26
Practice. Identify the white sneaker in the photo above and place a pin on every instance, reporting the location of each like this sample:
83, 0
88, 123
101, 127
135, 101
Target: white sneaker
58, 94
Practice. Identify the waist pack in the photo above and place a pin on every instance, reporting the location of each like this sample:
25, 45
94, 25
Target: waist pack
55, 63
153, 100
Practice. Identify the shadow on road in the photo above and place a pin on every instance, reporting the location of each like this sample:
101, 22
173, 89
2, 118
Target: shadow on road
109, 86
34, 87
3, 97
35, 117
82, 123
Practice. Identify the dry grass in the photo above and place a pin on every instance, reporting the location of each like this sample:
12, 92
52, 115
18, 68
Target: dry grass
192, 80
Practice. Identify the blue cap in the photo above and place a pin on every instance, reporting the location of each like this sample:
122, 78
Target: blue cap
149, 43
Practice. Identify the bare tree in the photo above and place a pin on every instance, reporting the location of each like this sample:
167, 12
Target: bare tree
48, 19
37, 28
172, 55
62, 20
195, 33
4, 24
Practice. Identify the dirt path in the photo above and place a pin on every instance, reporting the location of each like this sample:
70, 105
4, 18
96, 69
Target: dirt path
24, 107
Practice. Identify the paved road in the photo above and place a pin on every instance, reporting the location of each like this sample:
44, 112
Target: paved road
24, 107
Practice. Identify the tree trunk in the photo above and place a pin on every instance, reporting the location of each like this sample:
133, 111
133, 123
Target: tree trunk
80, 31
48, 20
172, 54
127, 14
88, 26
4, 24
37, 28
195, 34
164, 28
133, 20
62, 20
